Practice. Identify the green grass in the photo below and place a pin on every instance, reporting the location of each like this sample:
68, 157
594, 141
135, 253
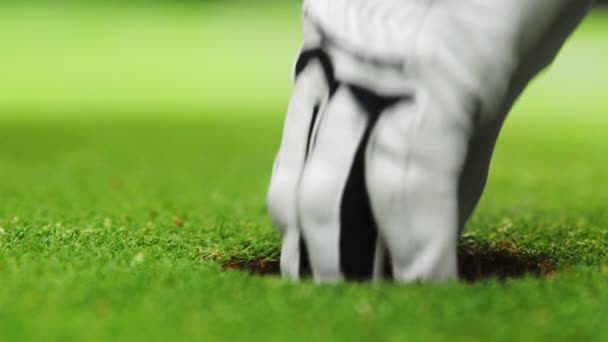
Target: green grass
95, 167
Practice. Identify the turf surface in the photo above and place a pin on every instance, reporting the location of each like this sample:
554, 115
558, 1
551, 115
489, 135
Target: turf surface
118, 207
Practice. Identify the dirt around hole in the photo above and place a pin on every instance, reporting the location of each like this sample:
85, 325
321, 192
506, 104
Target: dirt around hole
474, 265
257, 267
501, 264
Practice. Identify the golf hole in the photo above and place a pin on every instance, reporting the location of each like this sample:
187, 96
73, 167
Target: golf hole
473, 265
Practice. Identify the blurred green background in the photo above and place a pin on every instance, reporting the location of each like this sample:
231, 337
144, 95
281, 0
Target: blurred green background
183, 58
134, 58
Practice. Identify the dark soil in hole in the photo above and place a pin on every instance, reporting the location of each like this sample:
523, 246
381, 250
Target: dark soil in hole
257, 267
501, 264
474, 265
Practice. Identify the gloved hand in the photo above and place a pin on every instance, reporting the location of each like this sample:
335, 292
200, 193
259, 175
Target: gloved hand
392, 124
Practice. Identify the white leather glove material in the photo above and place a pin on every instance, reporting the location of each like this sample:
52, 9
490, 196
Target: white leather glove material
391, 127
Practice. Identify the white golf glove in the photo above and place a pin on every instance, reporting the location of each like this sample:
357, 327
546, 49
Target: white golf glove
391, 127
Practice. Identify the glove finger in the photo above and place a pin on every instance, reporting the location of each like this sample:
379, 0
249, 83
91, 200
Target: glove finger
310, 90
380, 264
341, 128
413, 162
